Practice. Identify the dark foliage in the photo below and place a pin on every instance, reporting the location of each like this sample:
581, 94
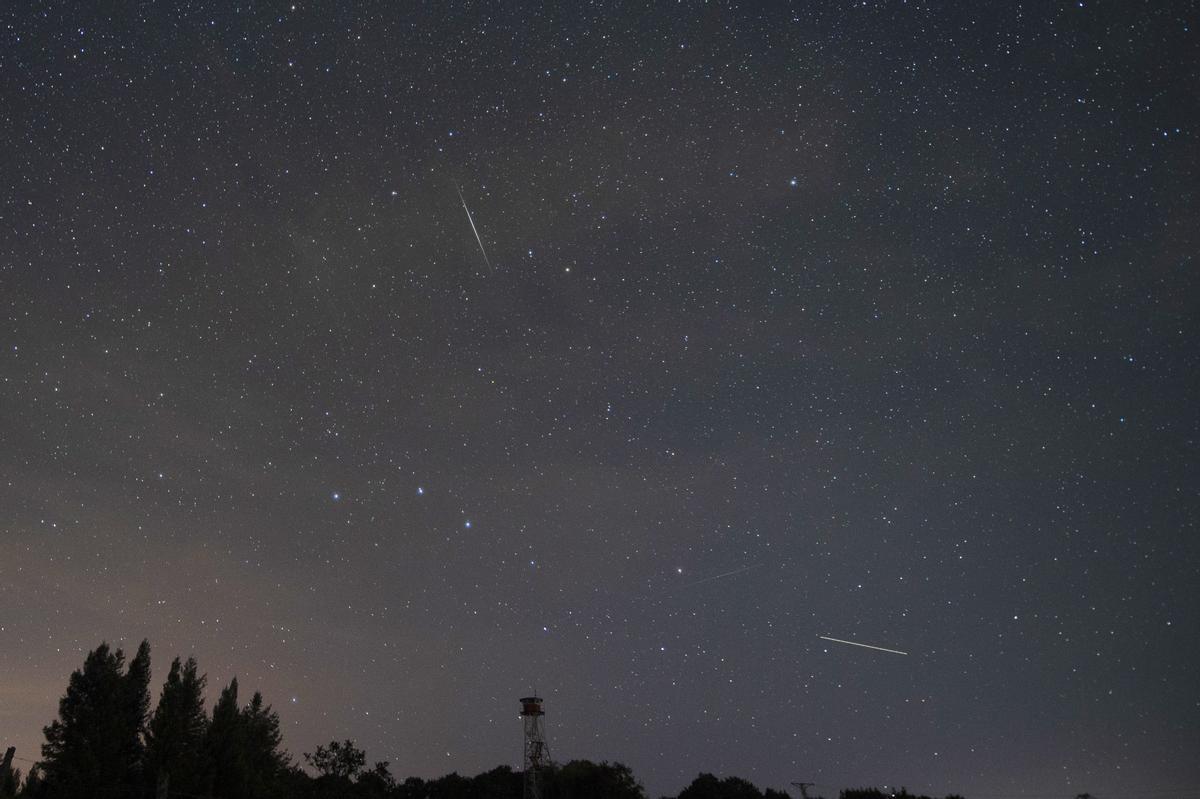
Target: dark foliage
94, 747
706, 786
875, 793
341, 761
135, 710
176, 736
10, 783
583, 779
242, 748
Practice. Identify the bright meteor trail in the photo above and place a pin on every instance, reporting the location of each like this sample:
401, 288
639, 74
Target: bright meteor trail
473, 230
864, 646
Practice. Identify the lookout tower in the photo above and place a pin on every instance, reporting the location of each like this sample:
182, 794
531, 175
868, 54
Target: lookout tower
537, 754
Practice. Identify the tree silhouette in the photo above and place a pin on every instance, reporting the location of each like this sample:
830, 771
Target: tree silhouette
228, 769
93, 748
583, 779
175, 740
10, 782
34, 785
707, 786
241, 747
337, 760
262, 742
377, 783
499, 783
135, 711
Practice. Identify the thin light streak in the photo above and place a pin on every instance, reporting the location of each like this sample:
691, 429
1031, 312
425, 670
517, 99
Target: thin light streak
473, 229
864, 646
723, 574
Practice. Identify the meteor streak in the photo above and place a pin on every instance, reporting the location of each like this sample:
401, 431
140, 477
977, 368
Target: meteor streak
473, 229
864, 646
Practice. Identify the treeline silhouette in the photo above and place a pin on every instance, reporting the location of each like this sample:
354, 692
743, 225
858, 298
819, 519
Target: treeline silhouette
107, 744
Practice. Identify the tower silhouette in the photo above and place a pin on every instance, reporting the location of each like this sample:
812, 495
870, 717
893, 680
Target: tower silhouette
537, 754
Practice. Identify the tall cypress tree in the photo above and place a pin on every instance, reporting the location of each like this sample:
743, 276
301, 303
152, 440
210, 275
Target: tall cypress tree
135, 711
223, 746
175, 739
242, 746
85, 750
265, 760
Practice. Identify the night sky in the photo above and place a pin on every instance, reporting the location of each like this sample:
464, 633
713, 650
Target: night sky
872, 321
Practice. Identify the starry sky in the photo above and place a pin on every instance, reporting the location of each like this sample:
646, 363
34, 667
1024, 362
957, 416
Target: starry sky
875, 321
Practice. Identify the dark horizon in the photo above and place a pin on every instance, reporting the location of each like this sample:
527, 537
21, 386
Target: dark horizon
111, 741
400, 361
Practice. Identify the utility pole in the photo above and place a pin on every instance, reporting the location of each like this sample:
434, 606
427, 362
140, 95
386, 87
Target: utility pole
804, 786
